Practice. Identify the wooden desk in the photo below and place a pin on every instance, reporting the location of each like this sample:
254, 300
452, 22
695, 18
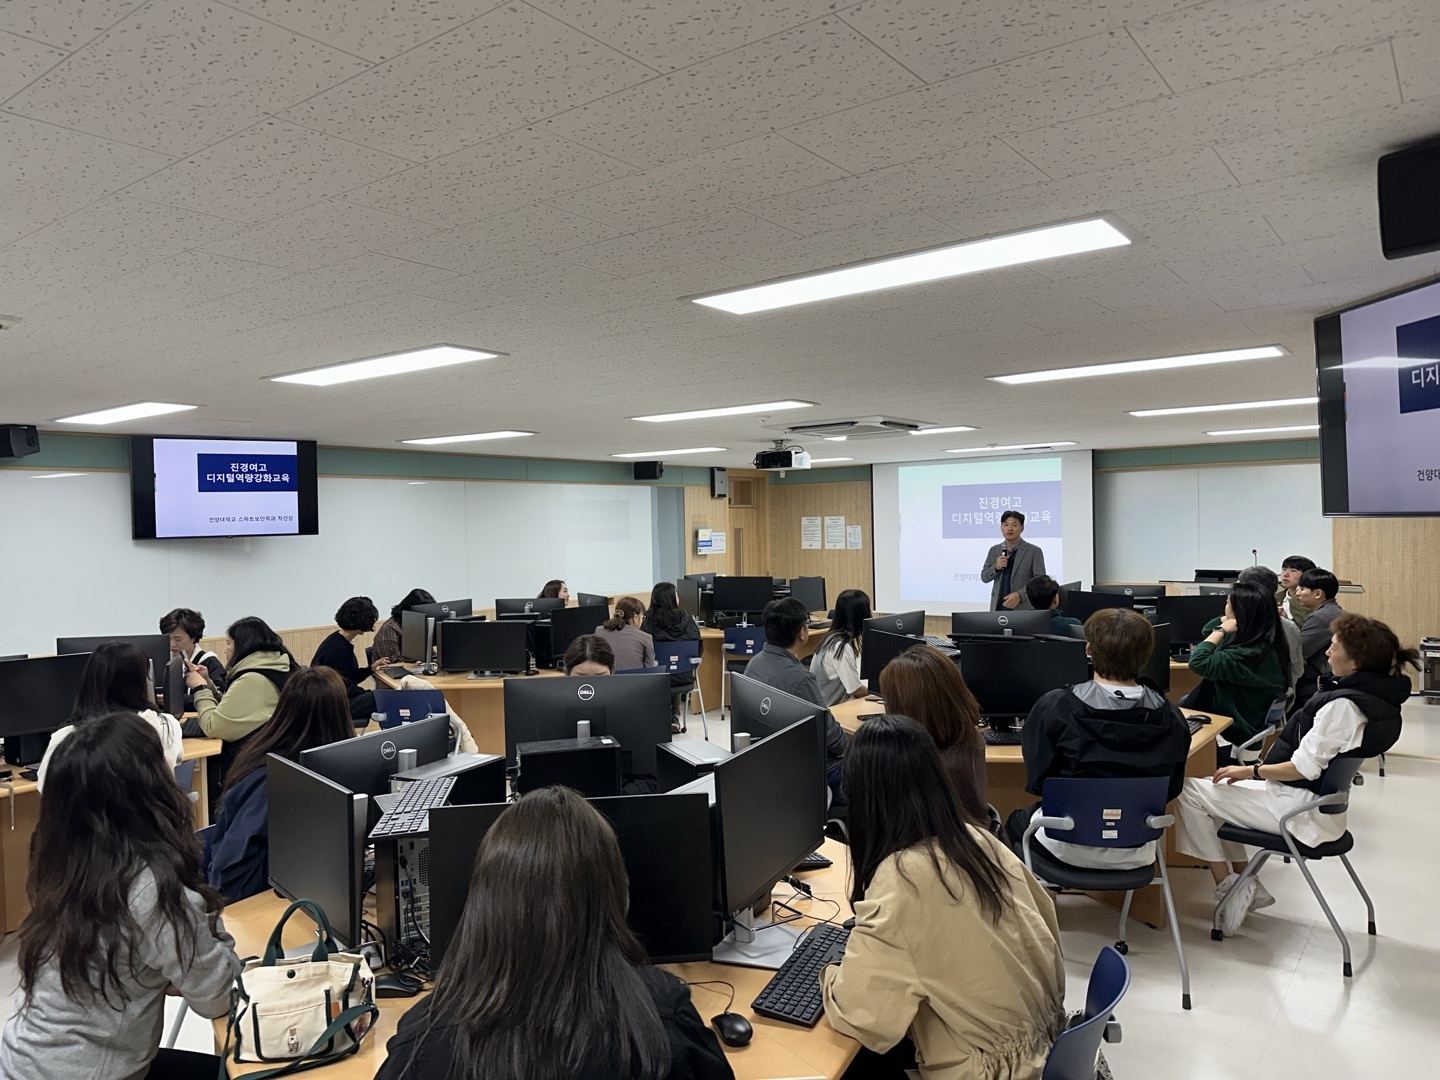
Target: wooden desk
479, 702
777, 1052
1182, 680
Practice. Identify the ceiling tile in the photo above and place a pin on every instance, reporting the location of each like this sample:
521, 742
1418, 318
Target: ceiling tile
940, 41
48, 172
179, 75
1209, 224
1415, 63
702, 184
502, 71
1305, 93
21, 61
784, 80
730, 232
326, 232
272, 168
63, 25
516, 236
1100, 73
503, 174
532, 282
374, 29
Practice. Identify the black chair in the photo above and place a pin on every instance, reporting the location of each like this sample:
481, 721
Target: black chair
1334, 798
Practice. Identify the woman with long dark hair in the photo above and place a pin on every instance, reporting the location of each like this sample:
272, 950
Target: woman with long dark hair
955, 944
836, 666
589, 654
555, 589
312, 711
117, 679
666, 620
119, 913
543, 978
633, 647
257, 665
1246, 660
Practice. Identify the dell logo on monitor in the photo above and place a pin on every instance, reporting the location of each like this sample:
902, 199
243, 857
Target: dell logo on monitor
1004, 620
529, 607
585, 692
900, 625
765, 706
387, 750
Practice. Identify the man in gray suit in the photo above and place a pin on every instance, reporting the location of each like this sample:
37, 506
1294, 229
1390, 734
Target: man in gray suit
1317, 590
1011, 563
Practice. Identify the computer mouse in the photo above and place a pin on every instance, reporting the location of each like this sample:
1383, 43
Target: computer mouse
848, 924
392, 986
733, 1029
1199, 718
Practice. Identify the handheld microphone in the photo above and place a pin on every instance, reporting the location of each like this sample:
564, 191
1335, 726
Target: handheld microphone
1254, 557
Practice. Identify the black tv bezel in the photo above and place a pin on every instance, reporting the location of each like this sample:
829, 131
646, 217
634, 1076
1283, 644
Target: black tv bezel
1330, 389
142, 486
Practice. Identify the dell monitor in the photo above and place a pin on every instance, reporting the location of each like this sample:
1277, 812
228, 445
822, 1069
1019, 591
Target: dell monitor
1008, 677
664, 840
155, 646
1187, 616
317, 843
416, 635
1224, 577
906, 622
566, 624
999, 623
1081, 605
760, 711
632, 709
1157, 668
447, 609
704, 580
586, 599
1214, 590
877, 648
527, 605
485, 649
365, 763
810, 591
1066, 590
743, 594
36, 698
687, 593
1143, 593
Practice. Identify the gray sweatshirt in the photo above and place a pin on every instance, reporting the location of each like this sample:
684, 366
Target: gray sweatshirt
54, 1038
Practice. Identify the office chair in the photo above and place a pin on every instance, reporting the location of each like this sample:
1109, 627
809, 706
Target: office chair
1252, 748
1076, 1053
1334, 798
678, 657
741, 643
1107, 813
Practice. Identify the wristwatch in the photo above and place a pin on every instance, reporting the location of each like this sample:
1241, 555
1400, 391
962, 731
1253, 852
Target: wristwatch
1255, 771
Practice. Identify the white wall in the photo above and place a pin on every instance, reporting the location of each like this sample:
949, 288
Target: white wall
68, 565
1159, 524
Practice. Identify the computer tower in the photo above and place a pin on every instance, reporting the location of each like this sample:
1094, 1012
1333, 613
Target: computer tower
590, 766
681, 762
402, 888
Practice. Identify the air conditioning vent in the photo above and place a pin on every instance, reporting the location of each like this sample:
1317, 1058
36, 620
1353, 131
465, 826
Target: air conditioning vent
856, 427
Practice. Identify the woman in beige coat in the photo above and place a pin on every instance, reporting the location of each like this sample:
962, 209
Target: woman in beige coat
955, 945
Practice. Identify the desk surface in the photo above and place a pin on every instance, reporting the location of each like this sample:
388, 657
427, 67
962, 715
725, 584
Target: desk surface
192, 749
459, 681
777, 1052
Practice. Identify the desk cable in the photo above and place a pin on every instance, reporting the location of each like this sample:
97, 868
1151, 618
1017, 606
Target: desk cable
717, 982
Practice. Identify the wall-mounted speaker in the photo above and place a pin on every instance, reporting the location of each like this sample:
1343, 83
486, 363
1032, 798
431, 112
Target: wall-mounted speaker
719, 483
18, 440
649, 470
1409, 210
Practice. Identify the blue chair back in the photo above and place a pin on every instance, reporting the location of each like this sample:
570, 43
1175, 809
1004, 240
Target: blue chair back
636, 671
1076, 1053
742, 642
677, 656
1108, 812
400, 706
185, 776
1338, 776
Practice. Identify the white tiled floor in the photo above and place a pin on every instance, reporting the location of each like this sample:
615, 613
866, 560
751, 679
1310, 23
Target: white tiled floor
1269, 1003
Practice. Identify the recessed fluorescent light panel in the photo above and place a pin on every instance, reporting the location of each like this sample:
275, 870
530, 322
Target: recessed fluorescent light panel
402, 363
728, 410
1000, 449
55, 475
943, 430
1233, 406
953, 260
1131, 367
674, 453
1267, 430
138, 411
828, 460
479, 436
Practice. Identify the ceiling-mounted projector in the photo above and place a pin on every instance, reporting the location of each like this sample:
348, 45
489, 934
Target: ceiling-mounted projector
782, 458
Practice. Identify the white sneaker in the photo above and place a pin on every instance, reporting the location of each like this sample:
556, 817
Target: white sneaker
1263, 898
1239, 906
1225, 886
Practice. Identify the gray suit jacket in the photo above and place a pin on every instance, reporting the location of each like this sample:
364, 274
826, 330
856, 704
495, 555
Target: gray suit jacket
1026, 561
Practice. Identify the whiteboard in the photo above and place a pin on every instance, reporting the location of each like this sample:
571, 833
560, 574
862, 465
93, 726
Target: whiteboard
1162, 524
71, 568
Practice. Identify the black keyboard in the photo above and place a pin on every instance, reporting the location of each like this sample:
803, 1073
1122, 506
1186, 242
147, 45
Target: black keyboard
942, 643
813, 861
411, 812
793, 995
1194, 725
1003, 738
817, 625
395, 672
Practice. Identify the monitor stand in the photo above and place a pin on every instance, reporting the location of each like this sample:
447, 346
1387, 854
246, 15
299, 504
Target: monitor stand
485, 675
755, 943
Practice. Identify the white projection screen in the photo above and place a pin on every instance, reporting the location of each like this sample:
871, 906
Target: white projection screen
936, 520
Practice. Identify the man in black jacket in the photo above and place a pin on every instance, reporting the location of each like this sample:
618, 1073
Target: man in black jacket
1109, 727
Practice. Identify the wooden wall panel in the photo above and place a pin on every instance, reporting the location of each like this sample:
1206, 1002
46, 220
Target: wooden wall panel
840, 569
1396, 560
703, 512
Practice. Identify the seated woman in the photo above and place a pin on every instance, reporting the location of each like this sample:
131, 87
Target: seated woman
116, 678
312, 711
836, 665
589, 654
185, 628
356, 616
532, 988
1245, 662
386, 646
925, 685
1358, 711
555, 589
120, 916
666, 620
954, 960
633, 647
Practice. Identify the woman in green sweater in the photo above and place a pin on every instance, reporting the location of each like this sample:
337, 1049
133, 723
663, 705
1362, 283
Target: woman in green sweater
1246, 659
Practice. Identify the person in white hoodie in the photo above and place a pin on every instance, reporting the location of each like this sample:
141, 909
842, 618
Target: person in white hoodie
117, 677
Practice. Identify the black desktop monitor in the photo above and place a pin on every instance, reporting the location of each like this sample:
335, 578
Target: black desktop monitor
317, 843
810, 591
877, 648
687, 592
1157, 668
36, 697
1081, 605
365, 763
1218, 576
664, 839
527, 605
15, 656
414, 634
487, 648
747, 594
587, 599
632, 709
1187, 615
702, 579
1000, 623
154, 646
760, 711
1008, 677
566, 624
1143, 593
447, 609
905, 622
1214, 590
1066, 590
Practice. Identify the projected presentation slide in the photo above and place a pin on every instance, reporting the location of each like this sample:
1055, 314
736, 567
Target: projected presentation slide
209, 487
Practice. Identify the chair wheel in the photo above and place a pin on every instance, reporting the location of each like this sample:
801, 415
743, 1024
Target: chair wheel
1123, 948
1185, 1001
1217, 935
